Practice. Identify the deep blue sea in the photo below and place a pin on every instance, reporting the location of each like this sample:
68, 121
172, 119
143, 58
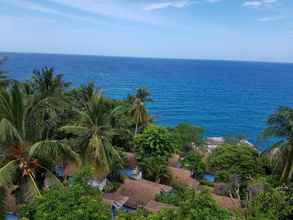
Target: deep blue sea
224, 97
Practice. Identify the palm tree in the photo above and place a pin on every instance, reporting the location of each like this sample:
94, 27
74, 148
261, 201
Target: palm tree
138, 110
93, 133
138, 113
143, 94
26, 157
280, 125
46, 83
49, 90
3, 78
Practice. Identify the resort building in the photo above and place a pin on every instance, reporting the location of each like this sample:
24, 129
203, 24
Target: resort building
213, 142
174, 161
140, 192
182, 177
131, 170
154, 206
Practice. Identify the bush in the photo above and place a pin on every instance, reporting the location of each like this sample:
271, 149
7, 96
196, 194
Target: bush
187, 134
191, 206
74, 202
154, 141
237, 159
274, 205
194, 163
154, 146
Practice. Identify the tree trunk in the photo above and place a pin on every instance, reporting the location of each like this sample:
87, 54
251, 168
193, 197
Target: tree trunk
136, 128
287, 170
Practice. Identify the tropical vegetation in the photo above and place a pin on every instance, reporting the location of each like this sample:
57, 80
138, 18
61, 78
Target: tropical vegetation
46, 124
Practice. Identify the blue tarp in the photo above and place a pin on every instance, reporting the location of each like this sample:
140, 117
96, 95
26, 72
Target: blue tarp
11, 216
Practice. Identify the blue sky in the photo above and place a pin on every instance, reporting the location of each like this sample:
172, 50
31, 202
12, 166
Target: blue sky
260, 30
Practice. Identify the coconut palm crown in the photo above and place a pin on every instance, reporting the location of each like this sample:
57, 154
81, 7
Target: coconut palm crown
280, 125
27, 158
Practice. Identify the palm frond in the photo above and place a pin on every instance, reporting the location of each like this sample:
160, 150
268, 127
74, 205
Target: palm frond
29, 190
74, 129
96, 147
52, 150
8, 173
8, 133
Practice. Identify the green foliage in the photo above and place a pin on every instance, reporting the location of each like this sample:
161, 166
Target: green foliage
92, 133
274, 205
154, 168
194, 162
280, 125
235, 160
3, 76
187, 134
73, 202
155, 141
191, 205
138, 110
222, 176
153, 148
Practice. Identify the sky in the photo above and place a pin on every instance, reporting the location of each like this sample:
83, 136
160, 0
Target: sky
258, 30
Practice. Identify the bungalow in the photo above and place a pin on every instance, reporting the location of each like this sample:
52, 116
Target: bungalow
69, 170
131, 170
182, 177
115, 200
226, 202
213, 142
140, 192
174, 161
154, 206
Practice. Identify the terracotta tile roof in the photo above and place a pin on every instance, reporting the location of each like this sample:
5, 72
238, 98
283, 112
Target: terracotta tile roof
140, 192
173, 160
226, 202
182, 177
154, 206
131, 160
110, 198
70, 169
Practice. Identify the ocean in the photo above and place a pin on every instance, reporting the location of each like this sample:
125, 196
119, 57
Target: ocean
224, 97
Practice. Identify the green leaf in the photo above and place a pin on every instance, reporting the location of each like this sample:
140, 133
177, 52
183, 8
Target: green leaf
8, 173
52, 150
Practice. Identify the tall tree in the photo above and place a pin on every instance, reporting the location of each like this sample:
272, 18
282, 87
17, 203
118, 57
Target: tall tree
26, 156
280, 125
49, 90
47, 84
92, 133
138, 110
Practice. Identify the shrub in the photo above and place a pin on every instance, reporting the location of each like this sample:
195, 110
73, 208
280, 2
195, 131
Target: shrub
153, 148
74, 202
194, 163
272, 205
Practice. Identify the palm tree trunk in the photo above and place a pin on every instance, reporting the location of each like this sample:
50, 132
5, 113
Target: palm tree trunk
287, 170
34, 183
136, 128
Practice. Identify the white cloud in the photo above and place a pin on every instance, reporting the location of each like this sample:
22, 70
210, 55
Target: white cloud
269, 19
39, 7
110, 8
168, 4
90, 10
258, 3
